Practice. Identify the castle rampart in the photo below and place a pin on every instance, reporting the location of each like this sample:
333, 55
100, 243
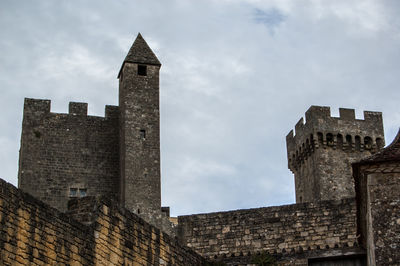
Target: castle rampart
33, 233
68, 155
322, 149
301, 230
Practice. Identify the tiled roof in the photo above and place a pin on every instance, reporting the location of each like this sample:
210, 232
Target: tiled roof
388, 154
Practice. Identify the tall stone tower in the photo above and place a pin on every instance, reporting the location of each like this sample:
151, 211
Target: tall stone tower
321, 152
140, 132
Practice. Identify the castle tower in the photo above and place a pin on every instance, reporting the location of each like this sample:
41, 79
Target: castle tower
140, 132
322, 150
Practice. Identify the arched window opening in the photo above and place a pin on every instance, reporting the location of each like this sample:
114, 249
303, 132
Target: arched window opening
320, 138
312, 141
329, 139
357, 142
367, 143
308, 145
339, 141
349, 141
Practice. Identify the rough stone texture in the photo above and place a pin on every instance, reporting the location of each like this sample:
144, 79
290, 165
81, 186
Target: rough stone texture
284, 230
378, 195
140, 138
118, 156
33, 233
63, 151
321, 152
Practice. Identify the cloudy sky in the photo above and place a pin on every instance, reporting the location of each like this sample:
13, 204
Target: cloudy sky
236, 77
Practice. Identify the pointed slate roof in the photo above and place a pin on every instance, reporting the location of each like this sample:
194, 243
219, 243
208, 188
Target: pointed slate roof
140, 53
389, 154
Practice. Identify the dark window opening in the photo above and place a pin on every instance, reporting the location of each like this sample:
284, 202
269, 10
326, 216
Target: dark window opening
339, 141
367, 143
329, 139
142, 70
73, 192
138, 211
143, 134
349, 141
320, 138
37, 134
357, 142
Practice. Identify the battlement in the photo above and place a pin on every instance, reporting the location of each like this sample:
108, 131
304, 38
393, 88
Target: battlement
321, 130
318, 115
38, 108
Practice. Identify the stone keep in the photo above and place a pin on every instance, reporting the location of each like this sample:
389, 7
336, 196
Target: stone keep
63, 156
322, 150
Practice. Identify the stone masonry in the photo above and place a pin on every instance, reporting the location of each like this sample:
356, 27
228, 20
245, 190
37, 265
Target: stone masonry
378, 195
90, 191
284, 231
322, 151
93, 232
64, 156
68, 153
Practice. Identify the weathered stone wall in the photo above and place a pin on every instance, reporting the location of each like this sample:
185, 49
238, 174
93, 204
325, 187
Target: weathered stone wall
123, 238
284, 231
140, 141
378, 193
321, 152
32, 232
60, 152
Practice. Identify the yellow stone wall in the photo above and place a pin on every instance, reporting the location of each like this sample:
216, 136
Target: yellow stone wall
32, 233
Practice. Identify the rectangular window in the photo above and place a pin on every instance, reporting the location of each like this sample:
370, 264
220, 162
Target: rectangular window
73, 192
142, 70
82, 192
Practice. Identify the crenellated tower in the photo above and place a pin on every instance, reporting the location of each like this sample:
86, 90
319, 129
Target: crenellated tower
139, 122
68, 155
322, 150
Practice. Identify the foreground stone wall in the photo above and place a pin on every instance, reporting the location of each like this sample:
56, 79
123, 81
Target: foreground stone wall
32, 232
297, 230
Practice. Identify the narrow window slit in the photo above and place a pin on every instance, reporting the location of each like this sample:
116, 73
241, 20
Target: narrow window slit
143, 134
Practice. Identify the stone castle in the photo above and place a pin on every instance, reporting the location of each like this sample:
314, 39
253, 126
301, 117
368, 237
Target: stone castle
89, 191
